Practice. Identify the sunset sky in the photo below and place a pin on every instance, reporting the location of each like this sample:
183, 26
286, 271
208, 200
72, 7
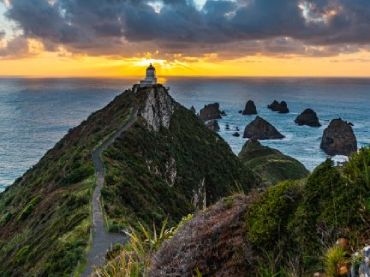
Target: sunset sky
117, 38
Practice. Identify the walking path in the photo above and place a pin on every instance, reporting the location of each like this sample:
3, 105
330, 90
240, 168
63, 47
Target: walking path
102, 240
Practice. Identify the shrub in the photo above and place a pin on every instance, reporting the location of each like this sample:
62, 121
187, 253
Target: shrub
29, 208
135, 257
6, 217
267, 218
334, 258
78, 174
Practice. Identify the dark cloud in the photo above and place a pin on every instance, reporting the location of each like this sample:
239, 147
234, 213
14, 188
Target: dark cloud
124, 27
17, 47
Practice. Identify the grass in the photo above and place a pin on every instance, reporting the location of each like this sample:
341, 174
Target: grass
134, 259
268, 218
302, 219
270, 164
334, 258
45, 216
130, 197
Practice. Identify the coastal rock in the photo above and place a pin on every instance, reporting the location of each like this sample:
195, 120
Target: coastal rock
274, 106
210, 112
250, 108
308, 117
261, 129
338, 138
236, 134
199, 199
270, 164
171, 171
158, 108
281, 107
213, 125
213, 242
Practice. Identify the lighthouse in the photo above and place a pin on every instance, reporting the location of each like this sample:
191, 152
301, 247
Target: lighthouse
150, 78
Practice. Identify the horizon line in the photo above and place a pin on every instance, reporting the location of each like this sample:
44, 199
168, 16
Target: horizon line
129, 77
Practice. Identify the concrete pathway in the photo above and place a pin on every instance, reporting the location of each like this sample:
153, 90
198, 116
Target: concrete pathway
102, 240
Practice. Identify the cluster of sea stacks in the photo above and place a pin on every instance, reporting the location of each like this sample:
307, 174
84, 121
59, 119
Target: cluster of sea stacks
338, 138
281, 107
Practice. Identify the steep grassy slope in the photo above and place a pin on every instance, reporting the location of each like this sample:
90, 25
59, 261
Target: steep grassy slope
178, 167
286, 230
272, 165
45, 215
153, 172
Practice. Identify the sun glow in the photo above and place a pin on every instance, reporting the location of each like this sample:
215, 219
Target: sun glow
69, 65
145, 62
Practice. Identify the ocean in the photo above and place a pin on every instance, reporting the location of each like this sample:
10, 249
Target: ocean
37, 113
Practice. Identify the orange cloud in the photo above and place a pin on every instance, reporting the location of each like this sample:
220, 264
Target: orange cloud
65, 64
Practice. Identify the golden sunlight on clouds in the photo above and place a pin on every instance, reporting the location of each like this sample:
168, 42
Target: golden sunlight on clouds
63, 65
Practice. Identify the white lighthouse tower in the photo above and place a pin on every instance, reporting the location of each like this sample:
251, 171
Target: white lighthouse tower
150, 78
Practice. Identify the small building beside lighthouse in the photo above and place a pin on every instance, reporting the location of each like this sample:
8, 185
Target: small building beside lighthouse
150, 78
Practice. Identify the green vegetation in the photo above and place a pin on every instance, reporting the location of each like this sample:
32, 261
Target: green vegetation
69, 221
334, 257
270, 164
268, 220
134, 258
45, 216
151, 177
300, 219
155, 175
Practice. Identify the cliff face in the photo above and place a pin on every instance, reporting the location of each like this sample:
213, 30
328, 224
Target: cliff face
153, 171
158, 108
181, 165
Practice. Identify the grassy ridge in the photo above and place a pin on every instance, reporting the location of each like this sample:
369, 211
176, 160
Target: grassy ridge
270, 164
188, 150
45, 215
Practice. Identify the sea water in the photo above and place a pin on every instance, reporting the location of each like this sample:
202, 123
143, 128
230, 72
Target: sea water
37, 113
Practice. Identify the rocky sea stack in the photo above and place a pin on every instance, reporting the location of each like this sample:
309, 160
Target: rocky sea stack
281, 107
308, 117
270, 164
213, 125
250, 108
261, 129
193, 109
210, 112
339, 139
